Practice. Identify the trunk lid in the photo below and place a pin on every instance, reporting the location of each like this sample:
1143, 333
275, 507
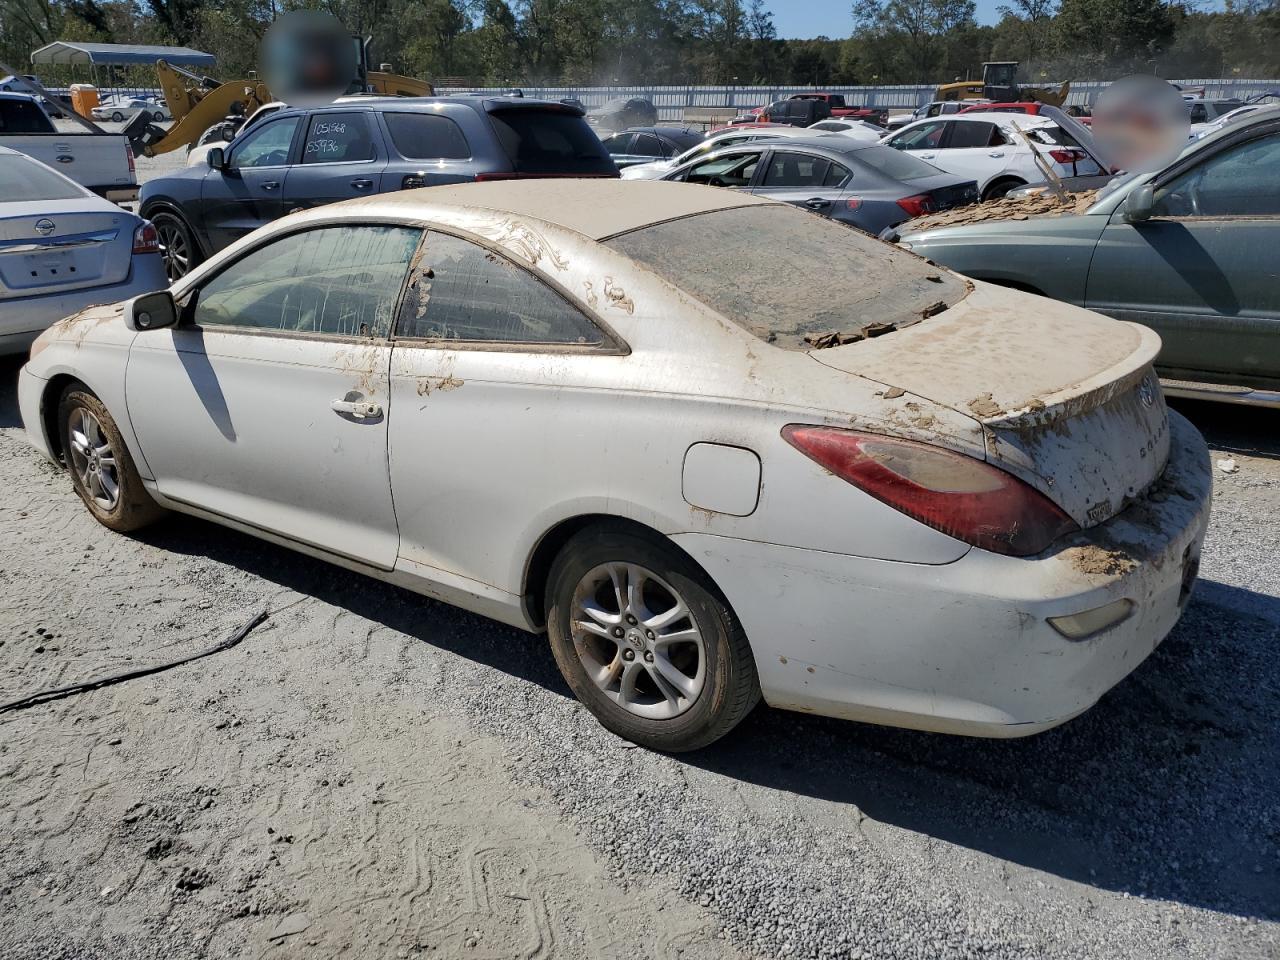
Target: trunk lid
1068, 399
64, 247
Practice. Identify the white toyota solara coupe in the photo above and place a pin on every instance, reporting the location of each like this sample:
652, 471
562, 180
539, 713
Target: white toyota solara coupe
632, 414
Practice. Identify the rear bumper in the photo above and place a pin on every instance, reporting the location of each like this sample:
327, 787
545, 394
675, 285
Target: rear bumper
22, 319
967, 647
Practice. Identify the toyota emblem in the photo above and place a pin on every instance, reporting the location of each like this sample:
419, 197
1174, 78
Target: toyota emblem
1147, 391
44, 227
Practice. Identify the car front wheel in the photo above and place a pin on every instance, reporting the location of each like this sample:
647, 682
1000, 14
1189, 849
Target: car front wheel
646, 642
118, 117
102, 471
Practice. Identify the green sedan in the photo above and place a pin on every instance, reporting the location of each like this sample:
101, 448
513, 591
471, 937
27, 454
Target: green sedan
1192, 250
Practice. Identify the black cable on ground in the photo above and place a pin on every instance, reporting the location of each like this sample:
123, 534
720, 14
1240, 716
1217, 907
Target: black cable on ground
44, 696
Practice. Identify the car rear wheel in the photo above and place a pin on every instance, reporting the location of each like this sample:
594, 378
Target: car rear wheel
102, 471
646, 642
176, 244
998, 189
118, 117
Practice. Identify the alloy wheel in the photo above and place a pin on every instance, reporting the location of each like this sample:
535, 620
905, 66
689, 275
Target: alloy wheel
92, 458
638, 641
175, 248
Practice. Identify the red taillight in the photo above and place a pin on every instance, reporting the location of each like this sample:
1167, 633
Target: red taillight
133, 167
963, 497
917, 205
145, 238
1067, 156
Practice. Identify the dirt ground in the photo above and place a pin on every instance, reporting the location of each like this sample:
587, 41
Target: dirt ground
370, 774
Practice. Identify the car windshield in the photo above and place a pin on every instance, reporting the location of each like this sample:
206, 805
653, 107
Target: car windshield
548, 141
771, 269
896, 164
24, 179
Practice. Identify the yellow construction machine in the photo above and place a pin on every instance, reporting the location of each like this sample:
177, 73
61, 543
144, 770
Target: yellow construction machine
1000, 83
198, 103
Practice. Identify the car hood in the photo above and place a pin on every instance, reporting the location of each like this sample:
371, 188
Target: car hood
1067, 398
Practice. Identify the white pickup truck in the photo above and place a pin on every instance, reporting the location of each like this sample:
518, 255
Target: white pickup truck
100, 161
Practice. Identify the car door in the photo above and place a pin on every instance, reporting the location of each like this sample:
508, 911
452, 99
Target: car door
488, 359
268, 403
433, 137
339, 159
923, 139
1202, 270
800, 179
249, 190
618, 147
974, 149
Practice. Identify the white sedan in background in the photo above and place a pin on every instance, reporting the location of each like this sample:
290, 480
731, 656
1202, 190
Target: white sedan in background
998, 150
721, 138
854, 129
589, 408
126, 108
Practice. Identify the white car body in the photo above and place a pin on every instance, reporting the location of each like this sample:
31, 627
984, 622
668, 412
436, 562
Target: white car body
62, 251
724, 138
858, 130
1011, 163
103, 162
851, 607
128, 108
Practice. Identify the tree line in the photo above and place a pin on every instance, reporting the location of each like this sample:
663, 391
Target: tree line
625, 42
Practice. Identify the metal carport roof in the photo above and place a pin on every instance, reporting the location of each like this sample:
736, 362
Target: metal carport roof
97, 54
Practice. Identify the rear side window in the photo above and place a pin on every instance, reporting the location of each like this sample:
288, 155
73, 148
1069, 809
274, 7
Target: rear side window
426, 136
28, 180
337, 138
463, 292
731, 260
22, 116
974, 135
548, 141
795, 170
892, 163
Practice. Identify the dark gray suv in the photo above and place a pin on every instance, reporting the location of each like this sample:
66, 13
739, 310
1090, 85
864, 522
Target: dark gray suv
300, 158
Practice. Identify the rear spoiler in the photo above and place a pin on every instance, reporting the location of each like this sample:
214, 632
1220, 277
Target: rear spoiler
504, 104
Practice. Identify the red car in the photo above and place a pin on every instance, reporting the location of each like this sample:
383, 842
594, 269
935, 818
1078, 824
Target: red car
1031, 108
841, 109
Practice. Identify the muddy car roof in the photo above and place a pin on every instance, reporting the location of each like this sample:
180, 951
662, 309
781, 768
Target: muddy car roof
596, 208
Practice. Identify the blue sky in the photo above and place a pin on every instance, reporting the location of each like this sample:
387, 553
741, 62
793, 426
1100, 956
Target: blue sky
833, 18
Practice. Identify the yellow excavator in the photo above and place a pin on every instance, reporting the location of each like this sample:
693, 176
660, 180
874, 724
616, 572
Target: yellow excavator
198, 102
1000, 83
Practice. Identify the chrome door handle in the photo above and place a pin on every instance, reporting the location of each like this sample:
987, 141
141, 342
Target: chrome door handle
1001, 154
271, 185
359, 409
362, 184
817, 203
927, 156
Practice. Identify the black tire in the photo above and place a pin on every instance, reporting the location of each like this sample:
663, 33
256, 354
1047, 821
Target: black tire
117, 117
731, 687
133, 507
177, 244
998, 189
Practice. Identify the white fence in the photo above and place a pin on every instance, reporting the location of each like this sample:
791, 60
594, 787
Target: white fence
673, 101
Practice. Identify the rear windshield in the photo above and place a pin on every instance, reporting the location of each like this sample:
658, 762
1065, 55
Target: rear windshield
24, 179
775, 270
548, 141
896, 164
22, 116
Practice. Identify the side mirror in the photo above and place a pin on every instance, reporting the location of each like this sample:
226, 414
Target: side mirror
1139, 204
151, 311
217, 158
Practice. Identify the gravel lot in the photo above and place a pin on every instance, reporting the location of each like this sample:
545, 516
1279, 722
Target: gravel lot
373, 774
